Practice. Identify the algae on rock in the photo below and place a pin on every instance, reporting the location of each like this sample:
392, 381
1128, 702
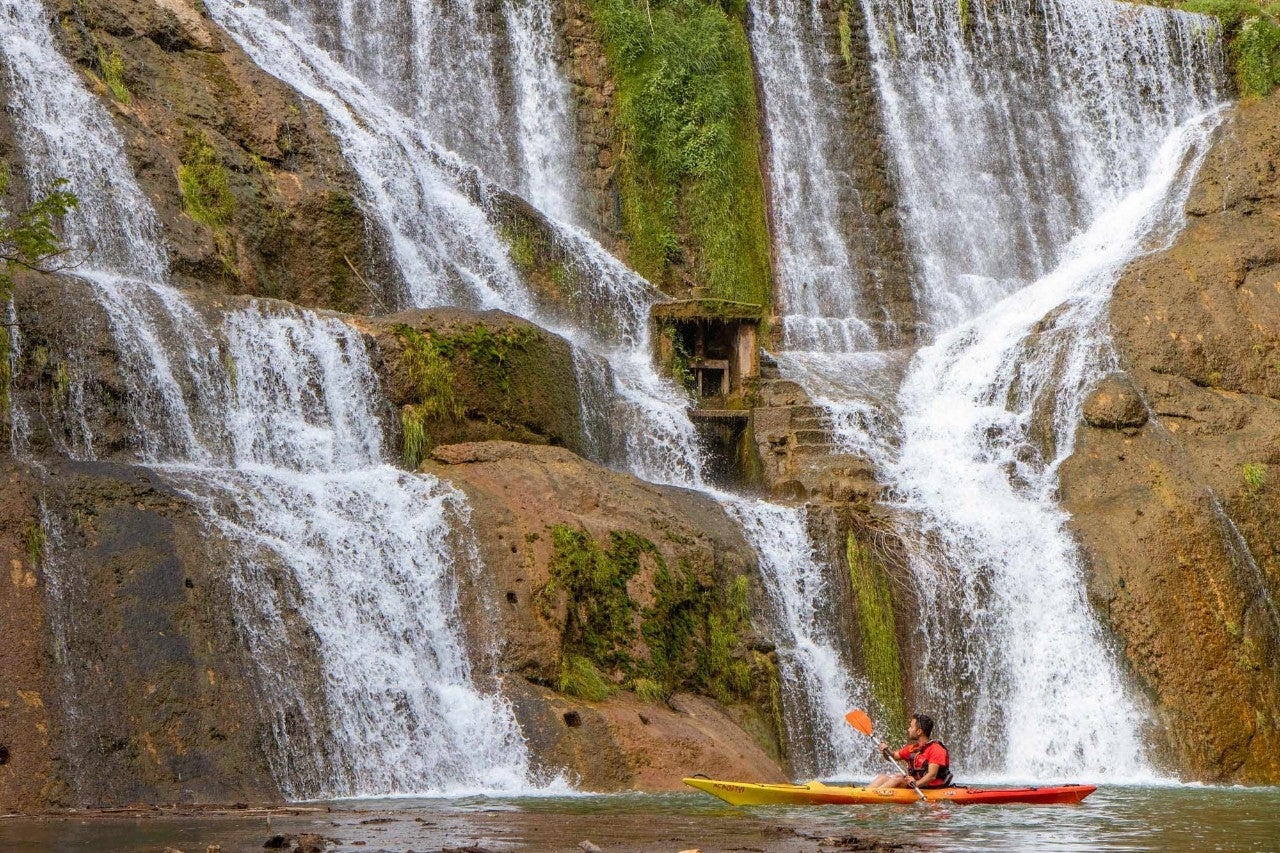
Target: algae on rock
692, 195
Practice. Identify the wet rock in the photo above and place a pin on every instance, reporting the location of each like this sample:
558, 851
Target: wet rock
1115, 403
494, 376
1178, 521
519, 496
277, 842
310, 843
290, 227
588, 847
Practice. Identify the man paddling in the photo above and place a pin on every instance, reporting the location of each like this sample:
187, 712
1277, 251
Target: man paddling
928, 762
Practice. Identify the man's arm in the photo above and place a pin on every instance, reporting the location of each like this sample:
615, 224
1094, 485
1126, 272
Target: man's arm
929, 776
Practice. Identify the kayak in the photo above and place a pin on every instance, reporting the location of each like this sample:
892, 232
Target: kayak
818, 794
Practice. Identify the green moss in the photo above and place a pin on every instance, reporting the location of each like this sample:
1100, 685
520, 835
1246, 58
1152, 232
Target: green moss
6, 369
963, 10
689, 172
205, 183
112, 65
579, 677
34, 539
1252, 39
687, 637
878, 631
488, 353
61, 388
846, 34
522, 248
1255, 476
599, 623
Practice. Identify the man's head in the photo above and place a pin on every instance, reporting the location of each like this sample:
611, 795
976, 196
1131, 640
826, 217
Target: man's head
921, 724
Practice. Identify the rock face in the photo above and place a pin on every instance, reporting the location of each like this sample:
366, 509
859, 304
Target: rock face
252, 189
124, 679
1179, 517
1115, 403
613, 600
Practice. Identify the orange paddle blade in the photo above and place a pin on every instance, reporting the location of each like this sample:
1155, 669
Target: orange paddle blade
859, 720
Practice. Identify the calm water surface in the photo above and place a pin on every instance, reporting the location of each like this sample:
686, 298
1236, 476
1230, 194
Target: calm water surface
1114, 819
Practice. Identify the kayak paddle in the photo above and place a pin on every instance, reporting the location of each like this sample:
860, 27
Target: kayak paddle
859, 720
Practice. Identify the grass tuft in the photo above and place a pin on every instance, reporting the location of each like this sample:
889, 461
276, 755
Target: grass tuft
579, 677
205, 183
1255, 476
112, 65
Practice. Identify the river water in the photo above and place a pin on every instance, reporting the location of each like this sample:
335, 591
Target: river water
1120, 818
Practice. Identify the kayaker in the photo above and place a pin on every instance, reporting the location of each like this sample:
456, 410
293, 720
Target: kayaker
928, 761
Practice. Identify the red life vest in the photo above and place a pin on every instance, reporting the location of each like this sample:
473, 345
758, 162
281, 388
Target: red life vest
918, 766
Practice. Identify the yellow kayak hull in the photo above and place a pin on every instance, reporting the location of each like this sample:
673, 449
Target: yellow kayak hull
819, 794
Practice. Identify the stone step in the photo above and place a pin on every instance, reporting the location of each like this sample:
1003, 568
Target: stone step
812, 436
811, 423
806, 411
812, 449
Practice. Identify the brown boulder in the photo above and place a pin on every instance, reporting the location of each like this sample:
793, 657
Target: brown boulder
1114, 403
527, 504
468, 376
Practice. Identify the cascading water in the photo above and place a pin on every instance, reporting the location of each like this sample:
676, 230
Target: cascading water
1013, 127
284, 452
425, 197
818, 219
429, 201
1037, 149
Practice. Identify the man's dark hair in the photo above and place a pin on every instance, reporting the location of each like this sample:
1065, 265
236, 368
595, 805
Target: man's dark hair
925, 722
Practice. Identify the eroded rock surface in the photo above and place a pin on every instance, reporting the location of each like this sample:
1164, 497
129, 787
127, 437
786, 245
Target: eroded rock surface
251, 186
665, 558
1180, 519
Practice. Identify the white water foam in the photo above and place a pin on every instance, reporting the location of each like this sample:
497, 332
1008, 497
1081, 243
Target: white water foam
284, 453
817, 215
1037, 150
636, 419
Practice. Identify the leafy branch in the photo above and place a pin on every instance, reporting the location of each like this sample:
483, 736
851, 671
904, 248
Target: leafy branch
29, 238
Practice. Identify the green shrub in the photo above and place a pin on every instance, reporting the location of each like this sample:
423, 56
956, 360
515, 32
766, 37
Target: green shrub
29, 237
1252, 41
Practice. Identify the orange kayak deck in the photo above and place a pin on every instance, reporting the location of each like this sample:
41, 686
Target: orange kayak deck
818, 794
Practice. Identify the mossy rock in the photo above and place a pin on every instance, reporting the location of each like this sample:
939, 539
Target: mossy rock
689, 174
457, 376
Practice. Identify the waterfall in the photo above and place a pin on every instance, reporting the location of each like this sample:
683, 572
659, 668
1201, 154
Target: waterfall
421, 192
1037, 149
271, 424
429, 199
1013, 126
819, 224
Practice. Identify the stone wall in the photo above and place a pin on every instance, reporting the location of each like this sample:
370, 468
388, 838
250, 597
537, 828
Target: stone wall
863, 157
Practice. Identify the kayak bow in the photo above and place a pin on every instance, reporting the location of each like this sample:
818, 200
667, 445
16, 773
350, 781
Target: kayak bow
817, 794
